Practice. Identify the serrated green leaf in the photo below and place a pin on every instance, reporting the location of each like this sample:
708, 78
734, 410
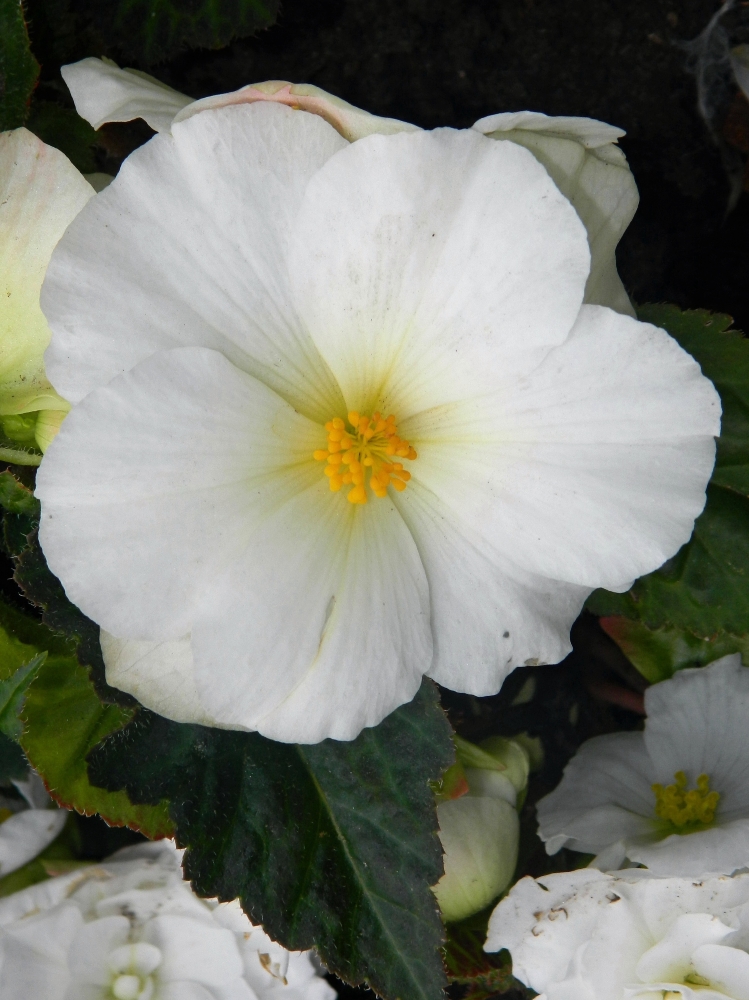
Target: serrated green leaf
17, 498
153, 30
659, 653
332, 845
13, 694
704, 588
18, 68
62, 719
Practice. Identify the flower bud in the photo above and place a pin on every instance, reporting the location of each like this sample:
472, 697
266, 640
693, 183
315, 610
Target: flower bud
479, 826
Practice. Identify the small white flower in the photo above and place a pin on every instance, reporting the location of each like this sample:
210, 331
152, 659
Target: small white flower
675, 797
586, 935
479, 826
27, 825
130, 928
40, 193
259, 320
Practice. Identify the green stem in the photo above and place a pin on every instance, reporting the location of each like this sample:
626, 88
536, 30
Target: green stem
19, 457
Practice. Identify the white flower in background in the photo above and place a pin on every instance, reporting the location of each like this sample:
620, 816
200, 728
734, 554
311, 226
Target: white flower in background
585, 935
258, 322
581, 154
130, 928
40, 193
478, 824
27, 825
674, 797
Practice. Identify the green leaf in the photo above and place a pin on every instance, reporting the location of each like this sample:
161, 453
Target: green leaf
13, 762
62, 719
17, 498
704, 588
659, 653
13, 694
18, 68
153, 30
332, 845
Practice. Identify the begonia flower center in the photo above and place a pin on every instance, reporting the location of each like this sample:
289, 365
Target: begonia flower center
132, 966
686, 809
371, 445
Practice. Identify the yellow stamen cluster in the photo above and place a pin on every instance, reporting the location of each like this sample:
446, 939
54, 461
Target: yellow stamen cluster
373, 443
682, 806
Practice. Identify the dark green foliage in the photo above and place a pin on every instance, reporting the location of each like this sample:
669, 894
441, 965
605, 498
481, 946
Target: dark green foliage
13, 694
150, 31
18, 68
332, 845
704, 588
65, 130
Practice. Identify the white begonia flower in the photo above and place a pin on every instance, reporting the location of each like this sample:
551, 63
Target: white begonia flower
255, 301
27, 825
581, 154
479, 826
40, 193
674, 797
130, 928
586, 935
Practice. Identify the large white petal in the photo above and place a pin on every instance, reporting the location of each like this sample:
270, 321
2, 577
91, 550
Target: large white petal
593, 468
40, 193
160, 674
156, 481
605, 795
697, 723
34, 954
488, 615
321, 627
103, 92
186, 247
590, 170
432, 266
194, 951
726, 968
723, 849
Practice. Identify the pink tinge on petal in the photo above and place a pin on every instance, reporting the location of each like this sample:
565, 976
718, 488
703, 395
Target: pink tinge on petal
350, 122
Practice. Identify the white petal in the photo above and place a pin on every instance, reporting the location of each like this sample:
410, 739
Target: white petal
194, 951
592, 172
155, 482
450, 264
604, 796
103, 92
697, 724
89, 954
26, 834
590, 470
488, 615
160, 674
186, 246
350, 122
40, 193
320, 627
723, 849
726, 968
589, 132
34, 954
670, 958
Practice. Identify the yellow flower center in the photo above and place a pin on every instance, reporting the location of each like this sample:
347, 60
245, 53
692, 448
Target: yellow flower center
373, 444
686, 807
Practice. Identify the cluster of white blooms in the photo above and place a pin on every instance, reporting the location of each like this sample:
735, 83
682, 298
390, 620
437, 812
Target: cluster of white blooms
130, 928
588, 935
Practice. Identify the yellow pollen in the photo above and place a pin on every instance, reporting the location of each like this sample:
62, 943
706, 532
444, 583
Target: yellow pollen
371, 444
686, 807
